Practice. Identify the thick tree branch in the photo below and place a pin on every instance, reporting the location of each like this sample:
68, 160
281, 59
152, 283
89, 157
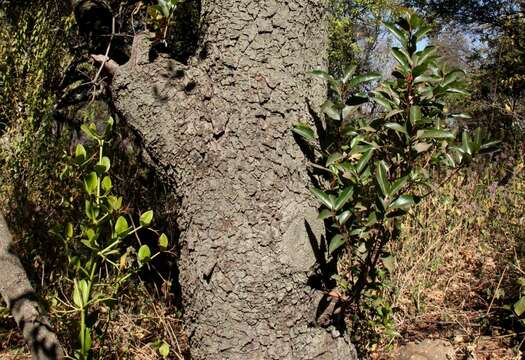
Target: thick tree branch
19, 295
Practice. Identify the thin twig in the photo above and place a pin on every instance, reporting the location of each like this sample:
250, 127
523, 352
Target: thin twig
497, 288
106, 55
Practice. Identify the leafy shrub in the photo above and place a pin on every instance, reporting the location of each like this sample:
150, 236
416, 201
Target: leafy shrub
379, 166
101, 240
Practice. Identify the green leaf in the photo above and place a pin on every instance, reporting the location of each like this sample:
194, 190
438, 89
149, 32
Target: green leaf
146, 218
163, 242
325, 214
364, 78
336, 242
457, 90
106, 184
363, 161
399, 34
401, 58
404, 202
121, 226
91, 183
423, 30
304, 130
80, 153
69, 231
323, 198
326, 76
398, 184
397, 127
381, 177
90, 131
451, 77
144, 254
466, 143
426, 54
103, 165
77, 298
383, 101
415, 114
115, 202
164, 350
349, 72
435, 134
519, 306
343, 217
331, 110
343, 197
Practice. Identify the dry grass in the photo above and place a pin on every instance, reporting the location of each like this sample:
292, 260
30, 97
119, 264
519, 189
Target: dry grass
458, 260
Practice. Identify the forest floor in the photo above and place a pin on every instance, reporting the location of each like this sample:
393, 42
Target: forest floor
459, 263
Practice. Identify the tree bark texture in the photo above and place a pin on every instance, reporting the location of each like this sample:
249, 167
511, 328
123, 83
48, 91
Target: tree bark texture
219, 129
19, 296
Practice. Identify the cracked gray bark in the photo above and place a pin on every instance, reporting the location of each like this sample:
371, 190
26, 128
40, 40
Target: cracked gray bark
19, 296
219, 130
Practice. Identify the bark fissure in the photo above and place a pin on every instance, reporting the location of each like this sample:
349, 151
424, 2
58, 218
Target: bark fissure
245, 253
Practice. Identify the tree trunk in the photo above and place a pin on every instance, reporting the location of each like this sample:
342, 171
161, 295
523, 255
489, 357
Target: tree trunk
19, 296
219, 128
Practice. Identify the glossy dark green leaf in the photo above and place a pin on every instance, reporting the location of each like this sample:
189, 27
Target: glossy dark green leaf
331, 110
422, 32
404, 202
324, 198
364, 78
363, 161
304, 130
384, 102
401, 58
415, 114
343, 197
349, 71
325, 214
397, 127
398, 185
382, 178
399, 34
424, 55
457, 90
335, 243
466, 143
343, 217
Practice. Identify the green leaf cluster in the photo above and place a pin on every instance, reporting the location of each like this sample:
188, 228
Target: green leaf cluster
377, 166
